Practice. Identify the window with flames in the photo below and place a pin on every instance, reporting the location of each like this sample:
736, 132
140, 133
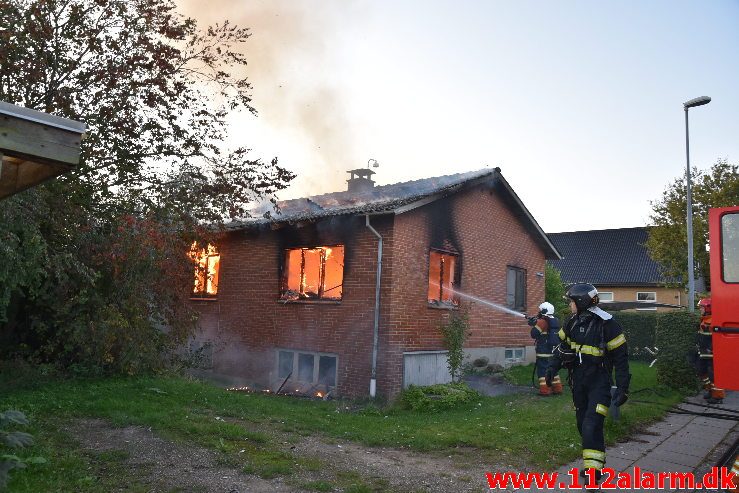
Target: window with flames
313, 273
207, 262
442, 272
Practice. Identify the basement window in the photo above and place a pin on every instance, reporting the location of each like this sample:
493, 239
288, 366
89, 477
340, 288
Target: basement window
514, 354
313, 273
442, 272
307, 367
516, 288
207, 264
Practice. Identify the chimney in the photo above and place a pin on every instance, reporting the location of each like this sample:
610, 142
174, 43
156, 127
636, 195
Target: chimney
360, 180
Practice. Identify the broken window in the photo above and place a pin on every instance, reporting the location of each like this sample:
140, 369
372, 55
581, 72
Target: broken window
285, 364
327, 371
207, 261
313, 273
441, 278
307, 368
516, 288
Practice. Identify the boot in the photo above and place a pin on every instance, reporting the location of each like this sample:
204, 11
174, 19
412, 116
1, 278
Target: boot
706, 383
544, 390
717, 396
556, 385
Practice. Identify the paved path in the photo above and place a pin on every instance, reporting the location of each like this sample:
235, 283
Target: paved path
679, 443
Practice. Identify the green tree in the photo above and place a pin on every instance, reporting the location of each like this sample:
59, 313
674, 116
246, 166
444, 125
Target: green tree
667, 243
95, 263
554, 291
454, 332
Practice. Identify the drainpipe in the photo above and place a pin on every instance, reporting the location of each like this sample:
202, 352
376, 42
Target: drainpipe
373, 378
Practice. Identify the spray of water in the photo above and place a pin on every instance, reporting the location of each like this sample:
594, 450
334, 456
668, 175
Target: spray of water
486, 302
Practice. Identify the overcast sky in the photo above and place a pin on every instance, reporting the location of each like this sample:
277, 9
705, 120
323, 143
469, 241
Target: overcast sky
578, 103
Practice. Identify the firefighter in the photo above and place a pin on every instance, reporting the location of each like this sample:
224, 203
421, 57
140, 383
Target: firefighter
592, 345
544, 330
705, 354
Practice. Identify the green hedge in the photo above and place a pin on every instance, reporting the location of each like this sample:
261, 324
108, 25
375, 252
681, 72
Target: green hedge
676, 334
640, 329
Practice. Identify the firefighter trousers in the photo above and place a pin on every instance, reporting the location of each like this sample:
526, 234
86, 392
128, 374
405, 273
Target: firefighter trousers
542, 363
591, 394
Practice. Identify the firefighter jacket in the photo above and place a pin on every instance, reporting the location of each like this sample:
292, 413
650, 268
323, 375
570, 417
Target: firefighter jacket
705, 346
596, 340
545, 333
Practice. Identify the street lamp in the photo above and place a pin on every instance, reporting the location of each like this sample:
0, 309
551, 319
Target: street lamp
691, 277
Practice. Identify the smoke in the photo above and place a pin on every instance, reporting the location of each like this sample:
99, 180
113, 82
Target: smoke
290, 55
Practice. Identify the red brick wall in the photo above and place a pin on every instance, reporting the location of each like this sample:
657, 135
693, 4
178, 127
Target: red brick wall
488, 238
248, 323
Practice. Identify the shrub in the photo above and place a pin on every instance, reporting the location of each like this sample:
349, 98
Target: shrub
437, 397
676, 333
454, 332
14, 439
640, 329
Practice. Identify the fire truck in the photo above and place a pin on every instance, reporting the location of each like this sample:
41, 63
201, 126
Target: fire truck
723, 234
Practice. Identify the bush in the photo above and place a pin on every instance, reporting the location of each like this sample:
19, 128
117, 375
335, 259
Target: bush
437, 397
13, 440
454, 332
676, 333
640, 329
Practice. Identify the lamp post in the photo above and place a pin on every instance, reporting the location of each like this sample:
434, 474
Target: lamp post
691, 277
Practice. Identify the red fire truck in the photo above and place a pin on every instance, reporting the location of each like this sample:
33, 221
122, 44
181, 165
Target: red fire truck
723, 234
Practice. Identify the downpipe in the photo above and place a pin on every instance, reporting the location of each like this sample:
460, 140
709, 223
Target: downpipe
373, 377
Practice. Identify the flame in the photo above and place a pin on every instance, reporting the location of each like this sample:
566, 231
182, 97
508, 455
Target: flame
318, 394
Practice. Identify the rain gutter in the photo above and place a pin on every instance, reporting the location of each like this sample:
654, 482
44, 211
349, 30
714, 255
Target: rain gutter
373, 377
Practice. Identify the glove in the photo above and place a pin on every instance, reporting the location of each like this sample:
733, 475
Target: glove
549, 376
532, 321
620, 397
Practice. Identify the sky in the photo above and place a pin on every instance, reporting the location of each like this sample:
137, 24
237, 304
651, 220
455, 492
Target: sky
579, 103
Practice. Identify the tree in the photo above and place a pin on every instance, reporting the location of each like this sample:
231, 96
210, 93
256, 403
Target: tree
667, 243
554, 291
99, 256
454, 332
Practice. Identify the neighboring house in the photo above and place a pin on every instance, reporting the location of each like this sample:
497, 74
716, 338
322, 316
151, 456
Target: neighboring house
616, 262
296, 295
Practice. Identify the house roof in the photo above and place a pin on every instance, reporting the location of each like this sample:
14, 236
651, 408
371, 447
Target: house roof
396, 198
35, 147
608, 257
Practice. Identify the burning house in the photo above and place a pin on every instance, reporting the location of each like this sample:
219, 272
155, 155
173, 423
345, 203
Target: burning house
344, 292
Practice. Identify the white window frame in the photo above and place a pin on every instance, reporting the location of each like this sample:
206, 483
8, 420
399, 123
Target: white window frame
601, 293
647, 301
514, 350
316, 365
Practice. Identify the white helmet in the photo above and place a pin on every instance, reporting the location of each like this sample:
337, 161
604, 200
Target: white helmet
547, 308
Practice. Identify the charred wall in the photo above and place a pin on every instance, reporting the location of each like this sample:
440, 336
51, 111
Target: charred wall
249, 323
478, 225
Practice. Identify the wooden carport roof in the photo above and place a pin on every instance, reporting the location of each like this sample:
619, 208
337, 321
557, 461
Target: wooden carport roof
35, 147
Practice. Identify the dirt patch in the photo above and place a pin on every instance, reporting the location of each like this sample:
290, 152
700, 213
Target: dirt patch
164, 466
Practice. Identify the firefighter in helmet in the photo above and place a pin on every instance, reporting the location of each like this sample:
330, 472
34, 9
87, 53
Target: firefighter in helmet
592, 346
705, 354
544, 330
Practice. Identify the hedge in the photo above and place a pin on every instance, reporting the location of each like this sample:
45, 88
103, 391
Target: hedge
640, 329
676, 335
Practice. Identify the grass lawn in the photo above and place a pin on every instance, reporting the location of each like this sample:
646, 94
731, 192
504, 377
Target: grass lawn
520, 430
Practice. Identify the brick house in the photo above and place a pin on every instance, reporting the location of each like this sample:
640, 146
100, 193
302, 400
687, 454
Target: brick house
615, 261
296, 296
